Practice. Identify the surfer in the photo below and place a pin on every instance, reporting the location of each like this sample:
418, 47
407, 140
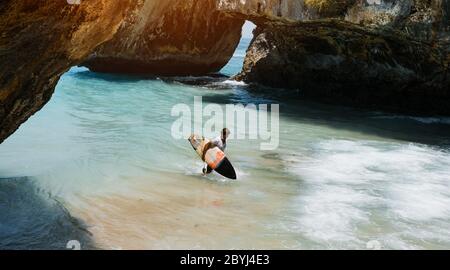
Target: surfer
220, 142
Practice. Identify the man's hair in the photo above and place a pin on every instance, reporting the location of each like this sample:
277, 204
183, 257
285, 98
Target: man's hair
225, 132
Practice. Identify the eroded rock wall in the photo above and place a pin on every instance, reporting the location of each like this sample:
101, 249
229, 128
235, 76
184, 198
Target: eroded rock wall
422, 19
293, 10
381, 54
39, 41
193, 37
171, 37
342, 63
416, 17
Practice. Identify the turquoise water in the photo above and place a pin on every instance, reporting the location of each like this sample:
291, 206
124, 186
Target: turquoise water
98, 164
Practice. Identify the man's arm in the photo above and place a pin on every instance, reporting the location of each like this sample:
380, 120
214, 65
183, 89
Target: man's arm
208, 146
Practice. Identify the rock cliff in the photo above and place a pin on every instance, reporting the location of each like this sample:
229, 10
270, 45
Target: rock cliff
381, 54
171, 37
39, 41
192, 37
339, 62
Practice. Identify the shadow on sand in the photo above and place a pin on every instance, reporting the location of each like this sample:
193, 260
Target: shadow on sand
31, 219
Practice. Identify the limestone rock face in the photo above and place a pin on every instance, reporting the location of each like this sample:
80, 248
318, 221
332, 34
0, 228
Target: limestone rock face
343, 63
39, 41
419, 18
171, 37
422, 19
191, 37
287, 9
379, 12
394, 54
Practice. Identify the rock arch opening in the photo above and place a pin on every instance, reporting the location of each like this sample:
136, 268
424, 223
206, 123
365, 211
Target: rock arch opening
235, 64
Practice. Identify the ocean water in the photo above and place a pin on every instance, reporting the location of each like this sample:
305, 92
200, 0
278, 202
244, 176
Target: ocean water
98, 165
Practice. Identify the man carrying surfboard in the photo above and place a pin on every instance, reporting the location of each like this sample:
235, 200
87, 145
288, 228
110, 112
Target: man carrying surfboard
220, 142
211, 152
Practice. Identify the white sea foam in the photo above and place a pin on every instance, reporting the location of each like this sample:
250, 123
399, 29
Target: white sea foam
350, 186
424, 120
234, 83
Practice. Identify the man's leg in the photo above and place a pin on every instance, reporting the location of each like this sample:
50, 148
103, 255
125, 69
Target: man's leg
207, 169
